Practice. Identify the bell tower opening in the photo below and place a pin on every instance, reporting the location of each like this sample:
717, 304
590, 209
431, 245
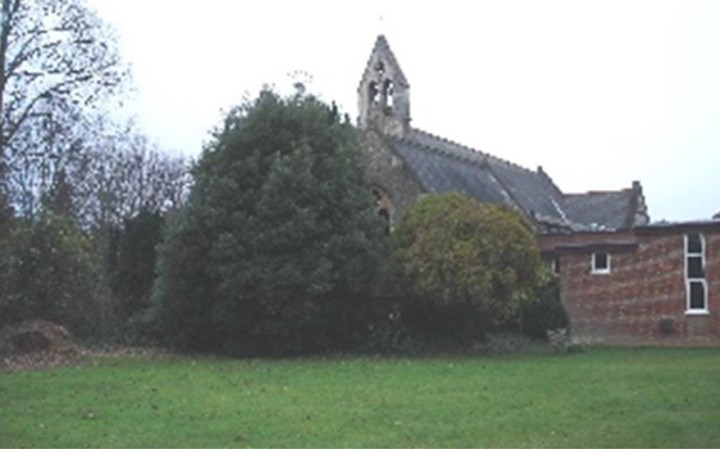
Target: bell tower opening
384, 93
373, 93
387, 95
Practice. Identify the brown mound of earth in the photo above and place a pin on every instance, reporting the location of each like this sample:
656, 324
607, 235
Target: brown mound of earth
35, 344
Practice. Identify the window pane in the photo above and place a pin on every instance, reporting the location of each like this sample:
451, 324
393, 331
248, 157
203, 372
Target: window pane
600, 261
694, 243
695, 267
697, 295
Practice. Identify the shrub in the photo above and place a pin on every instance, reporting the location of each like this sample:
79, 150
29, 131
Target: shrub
545, 311
49, 271
469, 266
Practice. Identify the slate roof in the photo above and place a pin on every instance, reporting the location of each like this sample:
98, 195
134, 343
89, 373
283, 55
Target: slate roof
441, 165
602, 209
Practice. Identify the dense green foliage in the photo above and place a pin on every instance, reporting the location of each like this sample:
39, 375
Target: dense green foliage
70, 173
278, 245
469, 265
49, 270
545, 311
131, 260
599, 398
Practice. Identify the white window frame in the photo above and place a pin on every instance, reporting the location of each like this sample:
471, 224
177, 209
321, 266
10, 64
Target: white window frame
593, 263
688, 280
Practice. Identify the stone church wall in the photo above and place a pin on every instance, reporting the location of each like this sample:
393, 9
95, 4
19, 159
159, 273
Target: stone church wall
386, 171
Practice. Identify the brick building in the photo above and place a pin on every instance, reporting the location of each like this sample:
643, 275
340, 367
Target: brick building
653, 284
623, 280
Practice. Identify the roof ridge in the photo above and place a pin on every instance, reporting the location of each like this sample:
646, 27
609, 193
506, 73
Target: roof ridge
597, 192
460, 146
466, 158
474, 151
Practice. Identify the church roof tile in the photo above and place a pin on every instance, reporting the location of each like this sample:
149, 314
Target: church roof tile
611, 210
442, 165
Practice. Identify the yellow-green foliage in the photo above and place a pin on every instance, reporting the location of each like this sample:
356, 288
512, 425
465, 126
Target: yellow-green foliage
455, 250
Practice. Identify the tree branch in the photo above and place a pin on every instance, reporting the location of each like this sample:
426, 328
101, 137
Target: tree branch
47, 93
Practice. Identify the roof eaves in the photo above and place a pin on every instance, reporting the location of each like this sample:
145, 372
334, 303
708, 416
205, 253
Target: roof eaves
611, 245
682, 226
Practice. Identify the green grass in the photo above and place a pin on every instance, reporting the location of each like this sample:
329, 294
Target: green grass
599, 398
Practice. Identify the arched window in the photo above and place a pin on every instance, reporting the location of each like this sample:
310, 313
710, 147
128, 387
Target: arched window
384, 208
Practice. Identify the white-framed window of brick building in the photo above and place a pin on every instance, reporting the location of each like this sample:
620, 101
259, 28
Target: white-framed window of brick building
600, 263
695, 282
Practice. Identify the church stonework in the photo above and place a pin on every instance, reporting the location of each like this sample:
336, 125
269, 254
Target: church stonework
384, 93
623, 280
388, 177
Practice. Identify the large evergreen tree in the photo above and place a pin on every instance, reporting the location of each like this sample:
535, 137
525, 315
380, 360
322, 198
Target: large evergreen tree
278, 245
130, 261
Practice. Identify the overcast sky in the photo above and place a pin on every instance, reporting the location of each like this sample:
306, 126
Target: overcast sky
600, 93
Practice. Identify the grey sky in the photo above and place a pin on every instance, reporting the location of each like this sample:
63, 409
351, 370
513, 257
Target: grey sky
600, 93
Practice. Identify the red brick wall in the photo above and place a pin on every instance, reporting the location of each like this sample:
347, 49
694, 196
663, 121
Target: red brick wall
645, 286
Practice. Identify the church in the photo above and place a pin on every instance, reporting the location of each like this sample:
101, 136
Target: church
623, 280
405, 162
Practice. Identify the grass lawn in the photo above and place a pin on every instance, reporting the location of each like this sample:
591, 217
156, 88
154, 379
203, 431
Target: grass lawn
599, 398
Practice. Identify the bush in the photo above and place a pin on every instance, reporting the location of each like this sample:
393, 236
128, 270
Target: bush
469, 266
49, 271
545, 312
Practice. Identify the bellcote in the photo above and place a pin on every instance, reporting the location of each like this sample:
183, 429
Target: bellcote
384, 93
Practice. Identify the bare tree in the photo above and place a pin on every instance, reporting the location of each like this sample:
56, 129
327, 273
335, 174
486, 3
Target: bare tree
58, 61
120, 173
